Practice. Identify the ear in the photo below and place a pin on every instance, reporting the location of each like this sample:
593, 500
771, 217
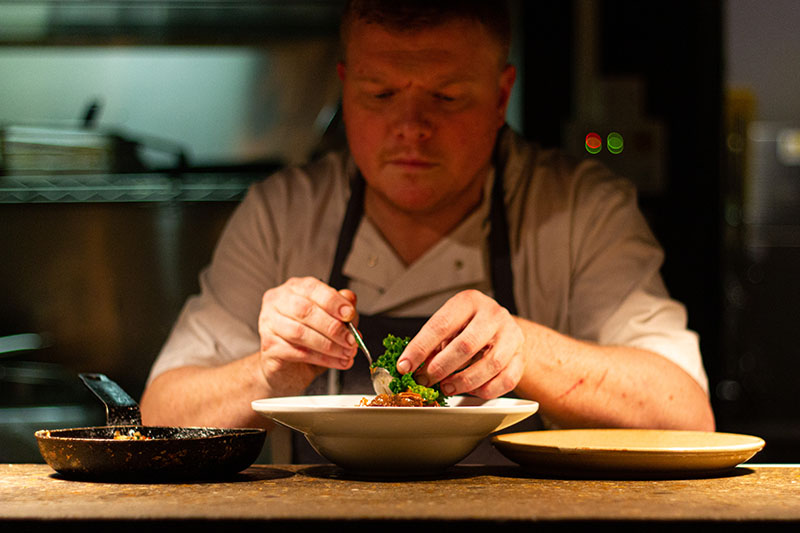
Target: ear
507, 78
341, 70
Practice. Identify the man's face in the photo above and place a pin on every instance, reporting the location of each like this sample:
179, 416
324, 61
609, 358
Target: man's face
422, 111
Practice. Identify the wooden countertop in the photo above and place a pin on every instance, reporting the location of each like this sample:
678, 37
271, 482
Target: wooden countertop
35, 495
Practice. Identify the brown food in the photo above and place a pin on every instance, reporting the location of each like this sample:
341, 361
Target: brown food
131, 435
404, 399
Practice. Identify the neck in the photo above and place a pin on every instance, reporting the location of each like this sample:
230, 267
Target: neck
413, 233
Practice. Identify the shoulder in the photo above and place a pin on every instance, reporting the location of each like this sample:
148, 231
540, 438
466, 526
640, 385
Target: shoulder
300, 186
294, 205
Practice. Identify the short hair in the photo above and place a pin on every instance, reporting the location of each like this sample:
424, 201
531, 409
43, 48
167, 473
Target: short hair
413, 15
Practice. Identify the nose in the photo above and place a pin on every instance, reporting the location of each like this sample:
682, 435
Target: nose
412, 121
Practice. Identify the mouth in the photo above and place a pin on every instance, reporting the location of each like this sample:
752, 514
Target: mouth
411, 163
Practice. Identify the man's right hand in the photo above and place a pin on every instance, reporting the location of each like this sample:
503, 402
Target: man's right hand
302, 330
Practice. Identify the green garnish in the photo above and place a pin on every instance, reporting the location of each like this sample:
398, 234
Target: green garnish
402, 383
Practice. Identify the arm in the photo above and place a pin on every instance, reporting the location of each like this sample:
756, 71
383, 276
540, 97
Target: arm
302, 332
250, 333
173, 398
581, 384
577, 384
631, 374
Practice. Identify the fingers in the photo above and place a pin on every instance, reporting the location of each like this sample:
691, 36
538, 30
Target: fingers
349, 295
303, 319
493, 372
438, 332
450, 337
337, 304
471, 345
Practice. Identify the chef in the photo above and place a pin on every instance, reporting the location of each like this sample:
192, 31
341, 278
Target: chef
515, 270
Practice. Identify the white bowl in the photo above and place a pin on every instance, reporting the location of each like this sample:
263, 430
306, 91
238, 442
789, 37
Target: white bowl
394, 440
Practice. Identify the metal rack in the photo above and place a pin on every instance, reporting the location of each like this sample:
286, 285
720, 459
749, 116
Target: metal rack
123, 188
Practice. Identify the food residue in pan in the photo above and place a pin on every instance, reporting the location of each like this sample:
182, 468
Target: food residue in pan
130, 435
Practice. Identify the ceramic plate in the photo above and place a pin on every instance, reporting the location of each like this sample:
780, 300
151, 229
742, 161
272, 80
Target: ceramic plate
394, 440
627, 451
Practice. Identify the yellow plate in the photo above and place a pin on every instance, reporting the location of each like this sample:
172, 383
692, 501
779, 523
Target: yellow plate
627, 452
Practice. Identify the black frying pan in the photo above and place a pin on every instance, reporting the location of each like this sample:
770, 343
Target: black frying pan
144, 452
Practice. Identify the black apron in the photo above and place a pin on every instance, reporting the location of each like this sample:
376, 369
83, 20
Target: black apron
375, 327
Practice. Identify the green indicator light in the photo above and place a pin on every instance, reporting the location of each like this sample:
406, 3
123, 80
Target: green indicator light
614, 142
593, 143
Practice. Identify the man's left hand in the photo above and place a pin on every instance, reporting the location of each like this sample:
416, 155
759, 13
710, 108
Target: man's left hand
470, 345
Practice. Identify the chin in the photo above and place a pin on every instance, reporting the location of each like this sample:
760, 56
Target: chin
417, 203
406, 189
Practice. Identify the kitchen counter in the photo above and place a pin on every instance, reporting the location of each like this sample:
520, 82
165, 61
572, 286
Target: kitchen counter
763, 495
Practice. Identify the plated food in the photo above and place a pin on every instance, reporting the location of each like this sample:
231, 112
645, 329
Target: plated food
404, 399
404, 383
400, 441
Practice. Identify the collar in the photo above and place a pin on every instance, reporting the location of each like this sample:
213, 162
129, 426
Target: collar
460, 259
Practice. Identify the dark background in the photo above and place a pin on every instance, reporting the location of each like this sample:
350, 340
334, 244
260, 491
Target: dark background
683, 77
103, 281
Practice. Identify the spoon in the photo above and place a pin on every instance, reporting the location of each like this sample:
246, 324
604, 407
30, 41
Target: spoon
380, 376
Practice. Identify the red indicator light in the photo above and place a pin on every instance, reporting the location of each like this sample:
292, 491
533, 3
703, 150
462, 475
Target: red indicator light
594, 143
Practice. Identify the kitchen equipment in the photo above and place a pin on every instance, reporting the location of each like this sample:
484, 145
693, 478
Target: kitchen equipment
125, 450
394, 441
379, 375
36, 394
47, 150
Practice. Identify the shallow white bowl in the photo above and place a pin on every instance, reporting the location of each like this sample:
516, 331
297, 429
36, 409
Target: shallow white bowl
394, 440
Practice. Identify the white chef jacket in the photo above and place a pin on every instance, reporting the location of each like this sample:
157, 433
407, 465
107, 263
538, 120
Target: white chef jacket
584, 261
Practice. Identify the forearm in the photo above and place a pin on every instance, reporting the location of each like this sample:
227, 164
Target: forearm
207, 396
293, 353
580, 384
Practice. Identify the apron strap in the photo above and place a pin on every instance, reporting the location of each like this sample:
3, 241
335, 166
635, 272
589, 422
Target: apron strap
499, 246
352, 218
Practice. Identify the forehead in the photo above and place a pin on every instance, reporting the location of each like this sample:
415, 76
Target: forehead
453, 45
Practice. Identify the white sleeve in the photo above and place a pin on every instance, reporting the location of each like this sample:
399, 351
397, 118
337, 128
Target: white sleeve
219, 324
285, 226
618, 296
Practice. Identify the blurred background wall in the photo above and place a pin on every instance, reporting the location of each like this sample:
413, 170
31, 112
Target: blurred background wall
131, 130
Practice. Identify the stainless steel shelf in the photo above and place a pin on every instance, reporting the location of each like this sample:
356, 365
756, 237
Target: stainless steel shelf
123, 188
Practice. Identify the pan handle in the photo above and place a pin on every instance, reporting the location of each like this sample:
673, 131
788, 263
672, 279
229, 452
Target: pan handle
121, 409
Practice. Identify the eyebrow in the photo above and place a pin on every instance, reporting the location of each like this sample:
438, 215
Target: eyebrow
445, 81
